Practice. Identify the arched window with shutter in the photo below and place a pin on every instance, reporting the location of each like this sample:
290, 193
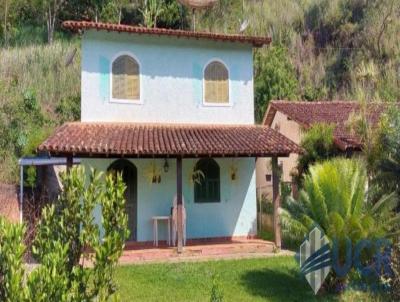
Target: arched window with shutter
208, 188
216, 83
125, 78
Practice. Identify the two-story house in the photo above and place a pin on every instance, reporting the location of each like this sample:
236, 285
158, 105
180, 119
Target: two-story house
161, 105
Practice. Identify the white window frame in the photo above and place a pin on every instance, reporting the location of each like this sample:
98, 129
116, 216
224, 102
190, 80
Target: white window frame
208, 104
126, 101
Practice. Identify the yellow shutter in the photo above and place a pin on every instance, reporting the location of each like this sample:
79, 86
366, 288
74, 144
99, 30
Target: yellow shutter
216, 83
125, 79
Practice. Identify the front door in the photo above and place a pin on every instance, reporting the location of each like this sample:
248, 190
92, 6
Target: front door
129, 176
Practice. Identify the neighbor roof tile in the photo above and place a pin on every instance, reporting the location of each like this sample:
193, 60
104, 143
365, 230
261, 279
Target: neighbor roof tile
330, 112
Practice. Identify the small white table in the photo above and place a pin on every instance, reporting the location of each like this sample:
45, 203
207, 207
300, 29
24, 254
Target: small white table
155, 228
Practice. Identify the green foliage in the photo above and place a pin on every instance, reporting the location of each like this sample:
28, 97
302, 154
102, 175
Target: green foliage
173, 15
69, 109
151, 10
275, 79
285, 189
67, 236
11, 257
67, 230
334, 198
387, 169
28, 107
318, 145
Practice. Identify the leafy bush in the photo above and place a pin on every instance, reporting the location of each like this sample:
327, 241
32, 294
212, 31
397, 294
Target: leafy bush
67, 236
11, 256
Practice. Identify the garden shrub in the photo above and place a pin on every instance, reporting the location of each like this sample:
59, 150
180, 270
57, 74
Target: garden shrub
334, 198
11, 256
67, 241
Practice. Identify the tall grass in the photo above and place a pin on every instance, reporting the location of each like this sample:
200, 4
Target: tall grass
327, 40
41, 69
44, 71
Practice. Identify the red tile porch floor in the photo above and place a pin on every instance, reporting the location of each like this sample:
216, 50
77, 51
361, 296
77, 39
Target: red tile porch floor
232, 249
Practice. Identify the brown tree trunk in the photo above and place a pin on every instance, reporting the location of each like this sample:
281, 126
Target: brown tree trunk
51, 16
5, 23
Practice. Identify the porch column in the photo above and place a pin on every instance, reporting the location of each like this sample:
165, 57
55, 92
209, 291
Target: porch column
21, 194
70, 162
179, 204
276, 200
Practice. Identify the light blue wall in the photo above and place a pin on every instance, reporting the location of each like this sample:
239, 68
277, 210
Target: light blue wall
171, 77
235, 215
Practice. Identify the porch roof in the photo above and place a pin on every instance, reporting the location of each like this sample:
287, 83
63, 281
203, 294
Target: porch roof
92, 139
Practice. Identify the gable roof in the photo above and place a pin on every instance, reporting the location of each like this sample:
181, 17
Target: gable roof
331, 112
91, 139
82, 25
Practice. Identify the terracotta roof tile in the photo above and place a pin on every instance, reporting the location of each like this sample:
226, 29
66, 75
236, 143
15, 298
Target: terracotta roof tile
82, 25
332, 112
85, 139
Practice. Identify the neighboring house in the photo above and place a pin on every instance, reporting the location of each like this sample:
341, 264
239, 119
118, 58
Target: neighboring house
159, 104
292, 118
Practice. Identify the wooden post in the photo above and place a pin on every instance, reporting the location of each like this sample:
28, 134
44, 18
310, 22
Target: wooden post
21, 194
179, 204
70, 162
276, 200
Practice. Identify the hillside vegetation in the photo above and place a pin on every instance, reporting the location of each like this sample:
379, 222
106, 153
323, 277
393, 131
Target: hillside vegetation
322, 49
38, 91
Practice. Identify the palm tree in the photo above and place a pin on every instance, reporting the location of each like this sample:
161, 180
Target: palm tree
334, 197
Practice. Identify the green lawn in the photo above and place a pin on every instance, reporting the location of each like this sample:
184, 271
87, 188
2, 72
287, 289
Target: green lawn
272, 279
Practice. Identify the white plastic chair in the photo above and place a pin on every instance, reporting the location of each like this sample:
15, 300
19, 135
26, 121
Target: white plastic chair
175, 220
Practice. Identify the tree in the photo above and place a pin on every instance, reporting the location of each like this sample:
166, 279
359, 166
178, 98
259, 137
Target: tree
50, 9
9, 12
151, 11
110, 11
275, 78
318, 145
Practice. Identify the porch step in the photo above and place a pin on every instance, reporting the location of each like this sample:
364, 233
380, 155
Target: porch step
219, 250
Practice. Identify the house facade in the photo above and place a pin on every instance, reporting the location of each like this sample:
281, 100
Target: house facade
162, 105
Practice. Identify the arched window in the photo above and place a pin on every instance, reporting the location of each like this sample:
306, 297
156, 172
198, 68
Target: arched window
125, 78
208, 188
216, 83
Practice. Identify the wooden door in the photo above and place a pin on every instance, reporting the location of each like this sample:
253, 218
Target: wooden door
129, 175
